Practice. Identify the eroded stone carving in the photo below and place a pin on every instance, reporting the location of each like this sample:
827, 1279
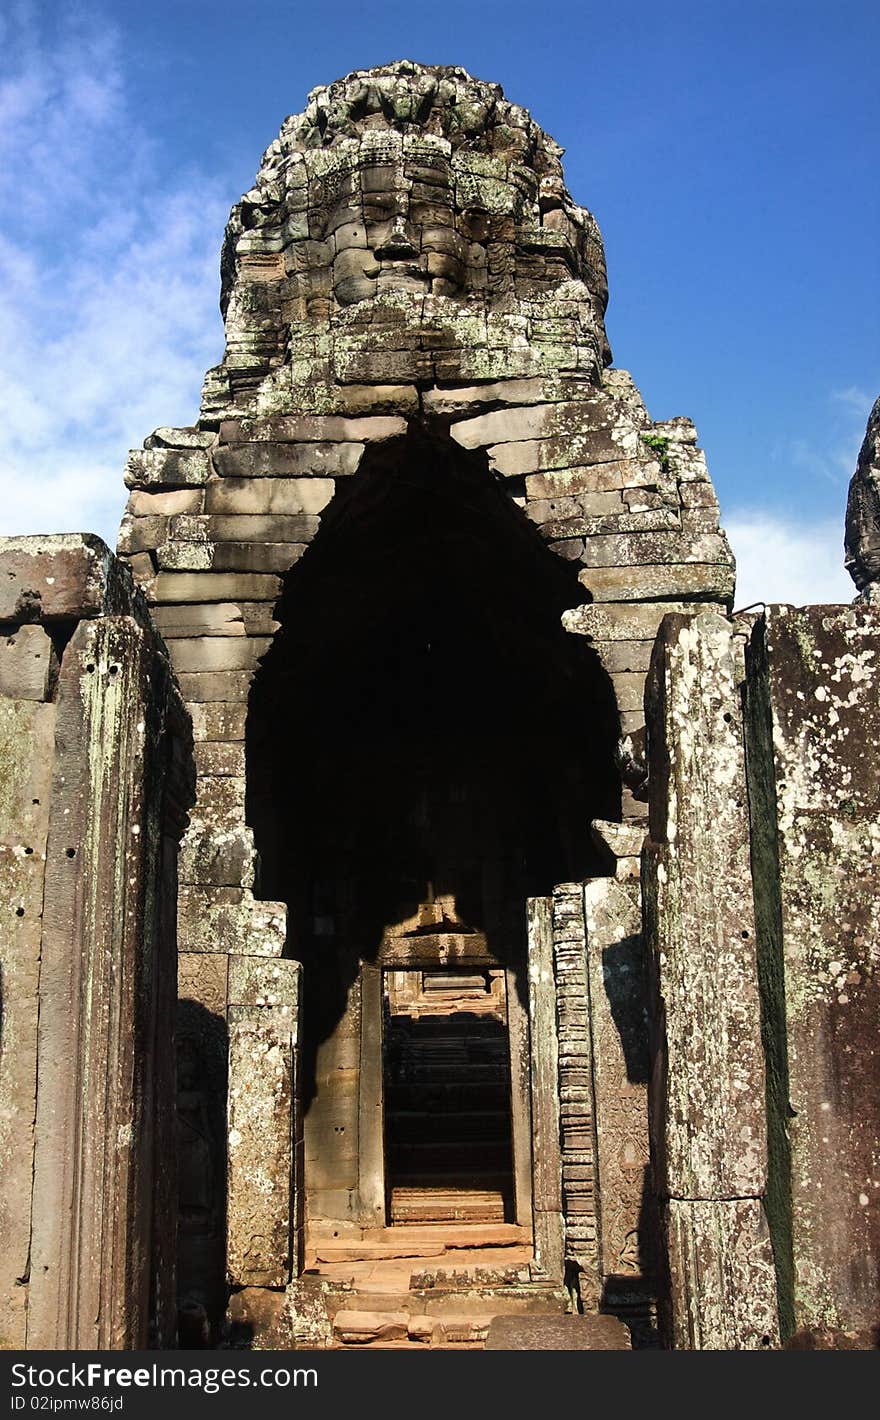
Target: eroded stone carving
862, 545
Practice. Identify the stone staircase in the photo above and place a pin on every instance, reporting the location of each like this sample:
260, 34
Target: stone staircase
436, 1286
447, 1119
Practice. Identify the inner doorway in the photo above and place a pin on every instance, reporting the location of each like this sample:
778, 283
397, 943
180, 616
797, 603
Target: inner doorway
447, 1097
426, 747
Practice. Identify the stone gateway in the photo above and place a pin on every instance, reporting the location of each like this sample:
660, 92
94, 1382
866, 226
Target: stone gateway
493, 1000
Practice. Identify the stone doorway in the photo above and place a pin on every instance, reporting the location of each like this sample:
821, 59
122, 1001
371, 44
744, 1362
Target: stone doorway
402, 741
447, 1097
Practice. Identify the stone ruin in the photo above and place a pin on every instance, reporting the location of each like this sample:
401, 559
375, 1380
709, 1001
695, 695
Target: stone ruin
525, 911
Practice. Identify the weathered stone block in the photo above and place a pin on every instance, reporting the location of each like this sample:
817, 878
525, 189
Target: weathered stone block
167, 468
28, 665
220, 800
144, 504
547, 511
469, 398
633, 550
629, 688
219, 528
618, 656
215, 587
202, 977
701, 582
231, 686
139, 534
557, 1333
179, 438
230, 919
215, 619
278, 460
594, 527
217, 653
723, 1283
621, 839
262, 1205
544, 421
212, 858
595, 478
512, 460
620, 621
312, 428
69, 575
378, 399
219, 758
262, 981
268, 496
218, 721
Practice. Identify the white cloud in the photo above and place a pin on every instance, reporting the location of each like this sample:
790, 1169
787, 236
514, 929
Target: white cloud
782, 559
108, 279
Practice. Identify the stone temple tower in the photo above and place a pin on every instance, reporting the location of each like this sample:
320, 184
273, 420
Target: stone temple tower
409, 564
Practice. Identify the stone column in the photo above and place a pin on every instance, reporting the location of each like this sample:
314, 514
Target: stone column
547, 1168
264, 1205
520, 1097
27, 727
580, 1205
814, 768
371, 1130
102, 978
708, 1124
619, 1043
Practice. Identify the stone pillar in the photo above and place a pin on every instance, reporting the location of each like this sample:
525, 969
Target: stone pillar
708, 1124
265, 1134
547, 1167
814, 731
93, 806
520, 1096
575, 1089
619, 1051
27, 731
371, 1089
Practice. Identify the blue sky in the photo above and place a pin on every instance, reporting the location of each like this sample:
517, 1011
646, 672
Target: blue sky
728, 151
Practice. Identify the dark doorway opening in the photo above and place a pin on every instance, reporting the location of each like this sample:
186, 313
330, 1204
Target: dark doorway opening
448, 1135
426, 748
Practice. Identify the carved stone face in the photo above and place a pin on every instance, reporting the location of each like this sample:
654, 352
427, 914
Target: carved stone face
409, 182
392, 230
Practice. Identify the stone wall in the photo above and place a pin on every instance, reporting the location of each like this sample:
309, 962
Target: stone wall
97, 779
761, 901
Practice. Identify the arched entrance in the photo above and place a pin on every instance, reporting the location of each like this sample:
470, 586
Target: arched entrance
426, 749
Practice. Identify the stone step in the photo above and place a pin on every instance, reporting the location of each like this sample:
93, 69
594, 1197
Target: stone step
436, 1319
359, 1328
352, 1251
451, 1235
462, 1235
410, 1205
